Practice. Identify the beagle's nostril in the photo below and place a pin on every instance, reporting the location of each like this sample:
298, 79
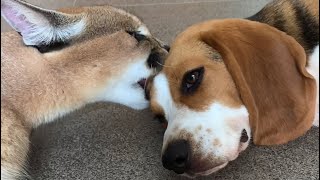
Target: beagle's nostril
244, 136
176, 156
180, 161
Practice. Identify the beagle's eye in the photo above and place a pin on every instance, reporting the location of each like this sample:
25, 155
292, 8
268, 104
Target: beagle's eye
136, 35
191, 80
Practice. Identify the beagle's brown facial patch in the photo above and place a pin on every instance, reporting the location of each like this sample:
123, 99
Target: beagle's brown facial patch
199, 77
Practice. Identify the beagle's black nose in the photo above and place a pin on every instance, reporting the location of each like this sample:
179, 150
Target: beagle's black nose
177, 156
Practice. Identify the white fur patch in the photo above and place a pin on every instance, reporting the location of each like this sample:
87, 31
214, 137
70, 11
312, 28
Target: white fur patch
11, 174
163, 96
124, 88
313, 69
45, 33
225, 125
144, 30
55, 113
5, 174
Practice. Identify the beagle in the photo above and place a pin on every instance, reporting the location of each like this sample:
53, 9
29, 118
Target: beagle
58, 61
226, 81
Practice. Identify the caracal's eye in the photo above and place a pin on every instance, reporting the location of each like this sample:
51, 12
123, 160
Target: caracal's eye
139, 37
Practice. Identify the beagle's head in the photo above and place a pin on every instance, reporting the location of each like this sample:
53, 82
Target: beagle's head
225, 82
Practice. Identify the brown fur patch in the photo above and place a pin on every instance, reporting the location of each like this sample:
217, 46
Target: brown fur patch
217, 143
217, 84
198, 129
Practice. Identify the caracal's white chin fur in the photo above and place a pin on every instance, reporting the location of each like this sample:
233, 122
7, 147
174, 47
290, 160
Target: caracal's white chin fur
125, 88
213, 133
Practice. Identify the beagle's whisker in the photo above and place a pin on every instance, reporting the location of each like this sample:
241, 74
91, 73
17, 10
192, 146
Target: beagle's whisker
165, 65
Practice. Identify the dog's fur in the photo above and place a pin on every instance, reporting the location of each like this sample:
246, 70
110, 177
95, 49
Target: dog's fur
58, 61
299, 19
252, 78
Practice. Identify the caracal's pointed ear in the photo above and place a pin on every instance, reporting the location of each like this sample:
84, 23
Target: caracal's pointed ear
269, 70
39, 26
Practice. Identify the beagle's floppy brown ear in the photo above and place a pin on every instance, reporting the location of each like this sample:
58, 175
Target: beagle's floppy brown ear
269, 70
